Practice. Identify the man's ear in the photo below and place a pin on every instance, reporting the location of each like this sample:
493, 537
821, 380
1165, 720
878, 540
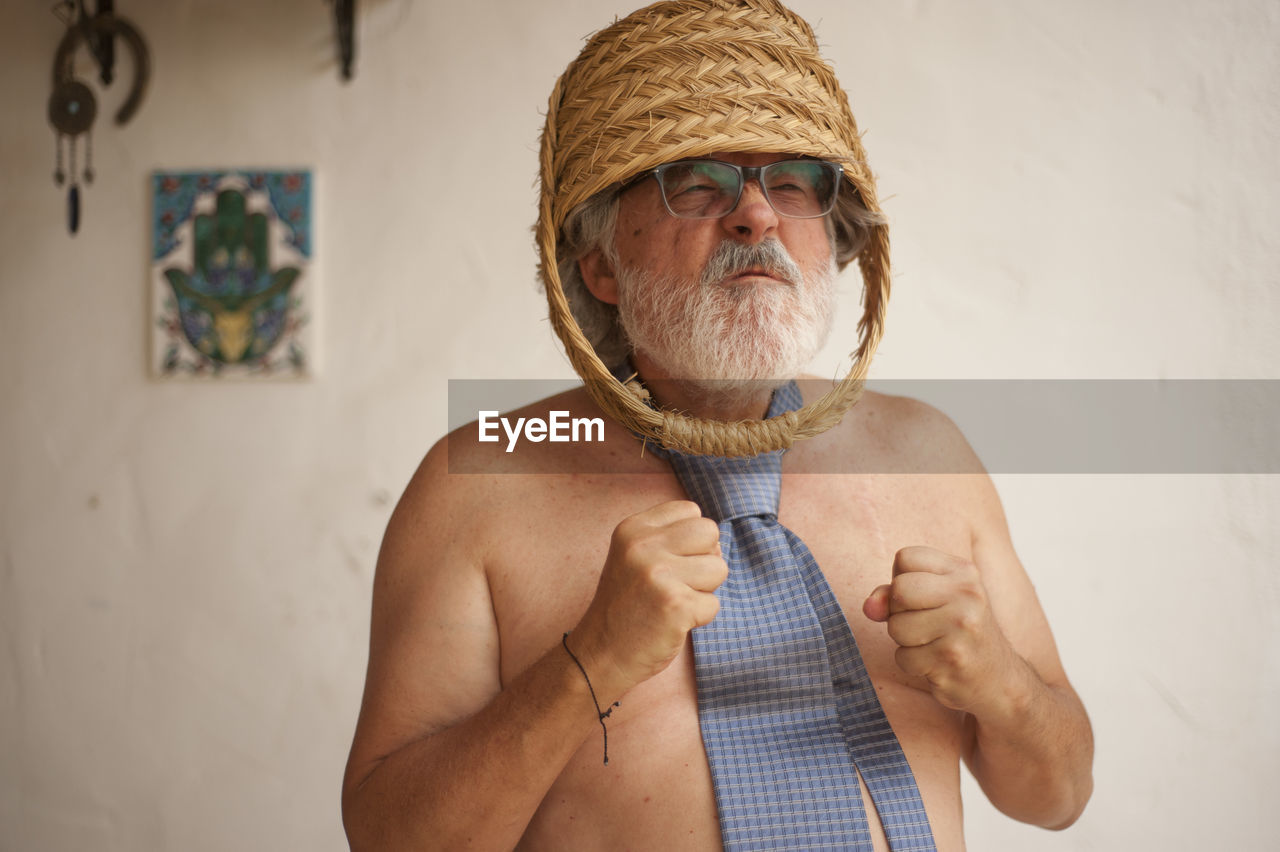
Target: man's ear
598, 275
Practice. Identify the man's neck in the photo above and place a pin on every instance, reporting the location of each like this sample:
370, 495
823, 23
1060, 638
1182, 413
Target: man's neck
704, 400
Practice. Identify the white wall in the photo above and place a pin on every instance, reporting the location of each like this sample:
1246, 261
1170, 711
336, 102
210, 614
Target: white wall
1077, 189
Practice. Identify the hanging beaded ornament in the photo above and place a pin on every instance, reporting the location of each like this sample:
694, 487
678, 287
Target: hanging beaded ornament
72, 105
72, 109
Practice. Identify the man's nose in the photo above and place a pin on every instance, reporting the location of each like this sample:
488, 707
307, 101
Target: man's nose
754, 219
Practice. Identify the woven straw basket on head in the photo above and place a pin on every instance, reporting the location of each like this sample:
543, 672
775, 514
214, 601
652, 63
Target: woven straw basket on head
686, 79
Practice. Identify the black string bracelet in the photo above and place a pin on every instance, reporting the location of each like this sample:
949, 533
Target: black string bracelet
602, 714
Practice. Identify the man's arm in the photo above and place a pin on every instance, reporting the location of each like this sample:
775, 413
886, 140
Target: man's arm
444, 756
1030, 744
975, 630
1032, 750
437, 733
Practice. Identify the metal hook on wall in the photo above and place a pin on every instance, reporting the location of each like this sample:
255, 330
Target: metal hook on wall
72, 105
344, 20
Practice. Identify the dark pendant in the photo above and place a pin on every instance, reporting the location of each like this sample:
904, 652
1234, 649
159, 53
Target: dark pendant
73, 209
72, 107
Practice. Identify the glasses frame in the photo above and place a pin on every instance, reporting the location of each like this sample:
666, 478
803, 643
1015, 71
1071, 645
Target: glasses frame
745, 174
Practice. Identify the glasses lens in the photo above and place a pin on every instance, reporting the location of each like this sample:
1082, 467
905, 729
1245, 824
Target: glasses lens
709, 189
699, 189
803, 189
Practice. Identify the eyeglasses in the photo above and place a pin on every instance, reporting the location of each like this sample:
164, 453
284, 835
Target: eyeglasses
709, 189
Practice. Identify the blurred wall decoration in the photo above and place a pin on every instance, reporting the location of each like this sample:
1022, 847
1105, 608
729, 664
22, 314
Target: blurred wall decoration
232, 275
72, 105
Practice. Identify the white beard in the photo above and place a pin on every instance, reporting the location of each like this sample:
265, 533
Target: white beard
730, 339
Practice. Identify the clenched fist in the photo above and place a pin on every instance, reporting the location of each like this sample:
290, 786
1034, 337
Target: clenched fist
657, 584
938, 613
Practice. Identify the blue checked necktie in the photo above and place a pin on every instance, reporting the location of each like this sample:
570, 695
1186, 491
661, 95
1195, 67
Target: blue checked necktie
786, 707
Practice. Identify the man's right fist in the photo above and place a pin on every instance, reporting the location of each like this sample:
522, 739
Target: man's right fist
658, 583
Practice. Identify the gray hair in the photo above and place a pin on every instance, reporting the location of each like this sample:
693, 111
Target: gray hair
591, 225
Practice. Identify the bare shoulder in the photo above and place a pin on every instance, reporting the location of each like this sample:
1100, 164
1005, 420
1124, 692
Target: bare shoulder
920, 439
916, 436
884, 433
442, 523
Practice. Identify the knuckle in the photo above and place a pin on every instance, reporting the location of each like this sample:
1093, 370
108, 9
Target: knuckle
632, 522
911, 554
951, 654
624, 533
970, 585
670, 602
969, 621
713, 608
632, 550
688, 508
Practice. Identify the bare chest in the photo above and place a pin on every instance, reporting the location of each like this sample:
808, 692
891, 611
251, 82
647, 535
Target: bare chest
657, 788
544, 560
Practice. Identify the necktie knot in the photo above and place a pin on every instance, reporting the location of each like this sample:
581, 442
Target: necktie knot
729, 488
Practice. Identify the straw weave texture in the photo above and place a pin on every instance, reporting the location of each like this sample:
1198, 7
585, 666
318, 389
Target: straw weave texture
687, 79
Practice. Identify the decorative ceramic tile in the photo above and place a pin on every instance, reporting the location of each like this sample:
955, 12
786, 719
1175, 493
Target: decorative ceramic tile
232, 274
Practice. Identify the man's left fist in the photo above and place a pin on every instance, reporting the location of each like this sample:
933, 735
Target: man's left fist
938, 613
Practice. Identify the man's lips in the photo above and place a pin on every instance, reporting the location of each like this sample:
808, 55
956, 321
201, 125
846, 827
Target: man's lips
747, 274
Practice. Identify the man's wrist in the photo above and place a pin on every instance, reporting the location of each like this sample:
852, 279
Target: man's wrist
1011, 705
602, 713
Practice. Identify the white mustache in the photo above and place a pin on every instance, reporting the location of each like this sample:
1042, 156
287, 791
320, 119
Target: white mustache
733, 258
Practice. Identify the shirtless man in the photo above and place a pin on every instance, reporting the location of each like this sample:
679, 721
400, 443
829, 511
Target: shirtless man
479, 729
